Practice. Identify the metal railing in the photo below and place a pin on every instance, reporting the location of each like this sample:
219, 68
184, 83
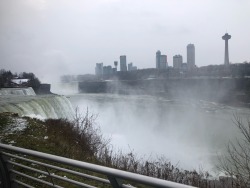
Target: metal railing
27, 168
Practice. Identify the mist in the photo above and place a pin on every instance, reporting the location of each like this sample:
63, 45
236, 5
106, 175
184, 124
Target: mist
52, 38
188, 133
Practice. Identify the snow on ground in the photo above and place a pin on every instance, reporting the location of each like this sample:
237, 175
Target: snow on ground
18, 124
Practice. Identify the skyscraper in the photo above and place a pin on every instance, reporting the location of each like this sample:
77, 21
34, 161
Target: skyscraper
123, 63
190, 56
107, 70
177, 61
158, 57
99, 69
161, 60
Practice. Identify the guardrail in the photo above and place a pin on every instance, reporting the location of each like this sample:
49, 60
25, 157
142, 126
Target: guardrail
28, 168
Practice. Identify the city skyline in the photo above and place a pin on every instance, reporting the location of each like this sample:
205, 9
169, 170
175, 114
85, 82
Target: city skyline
160, 63
52, 38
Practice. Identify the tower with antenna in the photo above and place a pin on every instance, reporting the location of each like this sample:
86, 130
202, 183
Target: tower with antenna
226, 37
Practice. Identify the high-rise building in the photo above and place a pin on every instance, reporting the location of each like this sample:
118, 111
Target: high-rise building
158, 57
99, 69
177, 61
123, 63
107, 70
190, 56
161, 60
131, 67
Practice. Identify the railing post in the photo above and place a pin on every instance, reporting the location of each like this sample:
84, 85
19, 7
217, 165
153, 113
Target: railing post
4, 174
115, 183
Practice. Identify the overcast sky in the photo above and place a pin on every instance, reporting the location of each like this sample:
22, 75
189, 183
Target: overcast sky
54, 37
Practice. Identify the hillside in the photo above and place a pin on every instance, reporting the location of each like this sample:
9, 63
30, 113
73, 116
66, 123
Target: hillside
80, 140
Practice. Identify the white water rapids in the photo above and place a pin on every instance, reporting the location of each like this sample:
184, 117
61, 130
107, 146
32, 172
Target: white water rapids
17, 92
26, 103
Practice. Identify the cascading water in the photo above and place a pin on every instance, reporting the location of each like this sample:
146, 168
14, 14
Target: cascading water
17, 91
26, 103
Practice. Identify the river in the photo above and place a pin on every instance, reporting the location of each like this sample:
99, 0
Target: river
190, 133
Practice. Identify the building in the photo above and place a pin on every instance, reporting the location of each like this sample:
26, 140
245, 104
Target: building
99, 69
184, 67
114, 70
177, 61
107, 70
190, 56
19, 81
131, 67
158, 56
123, 63
161, 60
116, 64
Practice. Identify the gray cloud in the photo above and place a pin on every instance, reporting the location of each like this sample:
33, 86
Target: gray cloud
87, 32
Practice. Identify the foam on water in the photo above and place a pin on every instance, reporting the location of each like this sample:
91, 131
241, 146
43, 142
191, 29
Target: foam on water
47, 106
17, 92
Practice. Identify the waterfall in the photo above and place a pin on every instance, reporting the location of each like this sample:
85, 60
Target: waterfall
17, 91
47, 106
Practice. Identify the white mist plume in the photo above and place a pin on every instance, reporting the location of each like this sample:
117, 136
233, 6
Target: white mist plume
186, 132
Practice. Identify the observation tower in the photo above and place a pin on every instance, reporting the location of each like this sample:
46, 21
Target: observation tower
226, 37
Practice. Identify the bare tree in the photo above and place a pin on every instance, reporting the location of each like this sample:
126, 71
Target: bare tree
236, 162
